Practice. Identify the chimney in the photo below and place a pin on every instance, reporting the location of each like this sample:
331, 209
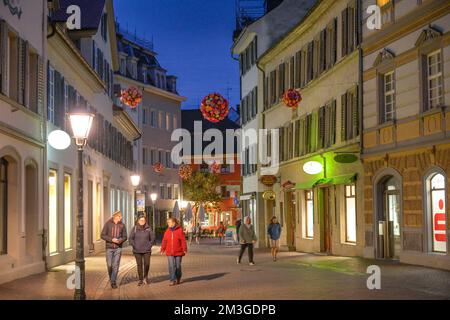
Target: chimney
272, 4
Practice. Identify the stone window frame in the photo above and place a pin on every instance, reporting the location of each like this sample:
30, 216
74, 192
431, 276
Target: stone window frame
429, 41
427, 225
384, 64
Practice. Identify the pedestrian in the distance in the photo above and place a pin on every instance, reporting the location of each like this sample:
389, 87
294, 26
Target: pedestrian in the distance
247, 236
190, 231
142, 239
221, 232
274, 232
115, 234
175, 248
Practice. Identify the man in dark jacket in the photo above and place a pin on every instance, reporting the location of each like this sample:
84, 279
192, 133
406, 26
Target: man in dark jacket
247, 236
142, 240
115, 234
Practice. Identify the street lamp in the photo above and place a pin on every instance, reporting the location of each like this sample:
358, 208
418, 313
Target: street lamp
135, 181
154, 197
81, 123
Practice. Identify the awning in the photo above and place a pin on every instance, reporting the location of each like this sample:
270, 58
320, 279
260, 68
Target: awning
344, 179
305, 185
323, 181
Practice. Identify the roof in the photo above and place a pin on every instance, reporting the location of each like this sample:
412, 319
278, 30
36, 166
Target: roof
91, 12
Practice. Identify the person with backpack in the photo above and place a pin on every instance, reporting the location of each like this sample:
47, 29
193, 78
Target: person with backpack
142, 239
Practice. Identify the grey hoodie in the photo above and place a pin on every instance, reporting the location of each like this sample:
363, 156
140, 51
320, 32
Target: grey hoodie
247, 233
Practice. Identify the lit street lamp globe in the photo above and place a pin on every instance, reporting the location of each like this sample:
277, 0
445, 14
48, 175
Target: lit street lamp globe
59, 140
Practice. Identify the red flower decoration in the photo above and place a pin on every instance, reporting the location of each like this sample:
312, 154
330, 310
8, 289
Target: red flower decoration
185, 171
131, 97
215, 167
292, 98
214, 107
158, 167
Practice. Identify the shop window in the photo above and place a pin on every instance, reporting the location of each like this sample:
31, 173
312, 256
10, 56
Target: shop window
67, 212
52, 212
350, 213
437, 212
309, 216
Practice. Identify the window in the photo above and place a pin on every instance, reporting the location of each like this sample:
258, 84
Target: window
434, 80
52, 212
161, 121
176, 189
169, 192
123, 66
153, 157
161, 156
350, 213
349, 115
168, 121
145, 156
161, 191
388, 99
153, 119
3, 206
51, 95
144, 116
437, 212
175, 122
309, 204
168, 160
67, 212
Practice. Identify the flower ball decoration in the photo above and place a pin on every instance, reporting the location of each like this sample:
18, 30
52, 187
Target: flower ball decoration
214, 107
292, 98
158, 167
185, 171
215, 167
131, 97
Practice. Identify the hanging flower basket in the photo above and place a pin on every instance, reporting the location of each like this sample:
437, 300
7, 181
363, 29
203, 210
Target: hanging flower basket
185, 171
292, 98
158, 167
215, 167
214, 107
131, 97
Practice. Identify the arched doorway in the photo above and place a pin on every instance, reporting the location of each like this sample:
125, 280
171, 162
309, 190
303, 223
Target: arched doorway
388, 217
436, 211
33, 242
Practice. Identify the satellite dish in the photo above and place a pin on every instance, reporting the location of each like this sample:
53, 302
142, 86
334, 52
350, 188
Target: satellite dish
59, 140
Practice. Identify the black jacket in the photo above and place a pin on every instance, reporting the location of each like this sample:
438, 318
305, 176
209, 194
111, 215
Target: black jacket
111, 231
142, 239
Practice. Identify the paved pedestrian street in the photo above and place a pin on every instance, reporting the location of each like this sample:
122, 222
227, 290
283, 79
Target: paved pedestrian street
210, 272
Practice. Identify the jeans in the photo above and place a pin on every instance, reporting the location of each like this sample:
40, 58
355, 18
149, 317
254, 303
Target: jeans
143, 264
113, 262
250, 251
174, 268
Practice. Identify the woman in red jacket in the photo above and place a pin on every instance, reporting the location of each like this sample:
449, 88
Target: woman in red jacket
174, 246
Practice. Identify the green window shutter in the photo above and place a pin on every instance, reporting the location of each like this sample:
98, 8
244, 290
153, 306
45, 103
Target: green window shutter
333, 123
343, 117
321, 128
323, 52
334, 42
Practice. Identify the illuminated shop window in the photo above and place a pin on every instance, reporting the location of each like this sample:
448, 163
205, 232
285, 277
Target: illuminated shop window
309, 201
350, 213
67, 212
437, 207
52, 212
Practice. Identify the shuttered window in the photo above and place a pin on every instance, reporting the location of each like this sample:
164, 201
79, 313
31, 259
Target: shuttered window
3, 56
297, 69
349, 115
266, 93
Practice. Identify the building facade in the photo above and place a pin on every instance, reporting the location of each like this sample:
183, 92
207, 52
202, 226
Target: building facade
81, 65
251, 43
406, 132
319, 193
158, 115
22, 138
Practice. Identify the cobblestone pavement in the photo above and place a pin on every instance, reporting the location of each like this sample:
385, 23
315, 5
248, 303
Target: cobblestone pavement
210, 272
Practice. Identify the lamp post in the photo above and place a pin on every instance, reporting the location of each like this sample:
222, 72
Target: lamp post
135, 181
81, 123
154, 197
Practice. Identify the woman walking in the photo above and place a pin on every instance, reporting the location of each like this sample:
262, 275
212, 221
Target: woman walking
142, 240
274, 232
189, 231
174, 246
247, 238
221, 232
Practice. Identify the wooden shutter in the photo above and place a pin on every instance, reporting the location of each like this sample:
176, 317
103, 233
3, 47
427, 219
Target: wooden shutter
343, 117
344, 32
334, 42
351, 29
291, 141
59, 99
40, 86
3, 56
322, 51
333, 123
255, 102
292, 73
266, 93
297, 69
310, 63
303, 67
94, 56
321, 127
355, 113
22, 65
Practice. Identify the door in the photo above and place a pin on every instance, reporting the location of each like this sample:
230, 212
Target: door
392, 216
90, 215
327, 232
3, 206
290, 220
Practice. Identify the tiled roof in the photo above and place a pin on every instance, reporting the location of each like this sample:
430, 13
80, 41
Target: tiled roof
91, 12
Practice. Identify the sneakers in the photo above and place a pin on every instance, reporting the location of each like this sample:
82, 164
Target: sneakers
172, 283
147, 281
140, 283
238, 262
179, 281
114, 286
251, 263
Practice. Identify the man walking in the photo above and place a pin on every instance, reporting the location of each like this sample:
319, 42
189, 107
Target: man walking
247, 236
115, 234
